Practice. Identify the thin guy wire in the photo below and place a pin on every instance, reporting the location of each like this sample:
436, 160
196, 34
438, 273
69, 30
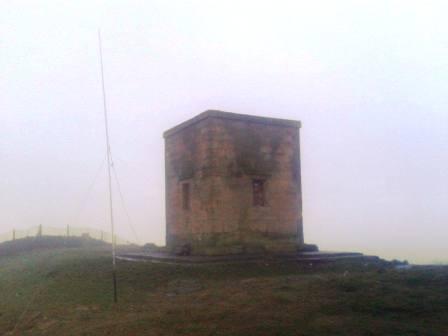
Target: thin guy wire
124, 204
89, 190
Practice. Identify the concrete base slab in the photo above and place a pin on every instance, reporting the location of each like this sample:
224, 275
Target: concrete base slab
302, 257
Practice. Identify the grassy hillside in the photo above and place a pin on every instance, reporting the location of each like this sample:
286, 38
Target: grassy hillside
68, 292
13, 247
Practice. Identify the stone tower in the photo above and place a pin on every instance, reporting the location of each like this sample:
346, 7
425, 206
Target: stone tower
233, 184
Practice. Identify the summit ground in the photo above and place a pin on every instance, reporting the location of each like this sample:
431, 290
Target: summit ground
68, 291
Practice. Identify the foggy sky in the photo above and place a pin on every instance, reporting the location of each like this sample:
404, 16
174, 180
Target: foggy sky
368, 80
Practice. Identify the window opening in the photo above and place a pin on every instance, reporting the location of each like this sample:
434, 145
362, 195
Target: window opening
258, 192
186, 196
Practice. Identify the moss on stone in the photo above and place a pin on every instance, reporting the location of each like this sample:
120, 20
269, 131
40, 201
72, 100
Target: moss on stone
249, 158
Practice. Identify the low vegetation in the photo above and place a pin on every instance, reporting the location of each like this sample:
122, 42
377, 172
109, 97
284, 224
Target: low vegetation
13, 247
68, 291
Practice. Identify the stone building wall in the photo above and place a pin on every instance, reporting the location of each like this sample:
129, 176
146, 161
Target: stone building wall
233, 184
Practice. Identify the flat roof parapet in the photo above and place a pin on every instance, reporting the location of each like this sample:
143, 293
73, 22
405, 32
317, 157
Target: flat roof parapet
232, 116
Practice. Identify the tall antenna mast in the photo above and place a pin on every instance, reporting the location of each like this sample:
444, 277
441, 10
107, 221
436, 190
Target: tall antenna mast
109, 165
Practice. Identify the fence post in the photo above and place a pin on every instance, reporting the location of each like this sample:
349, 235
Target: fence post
68, 230
13, 234
39, 231
102, 239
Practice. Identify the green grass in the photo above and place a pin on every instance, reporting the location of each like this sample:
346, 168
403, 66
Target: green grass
69, 292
